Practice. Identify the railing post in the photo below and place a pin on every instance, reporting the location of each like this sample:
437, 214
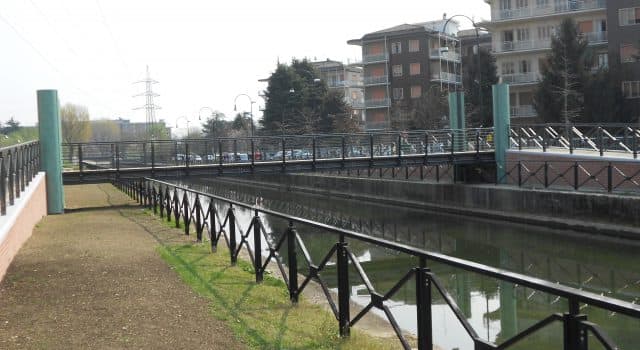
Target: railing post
293, 263
343, 287
186, 217
453, 142
609, 177
546, 174
12, 192
423, 306
176, 207
575, 176
186, 157
199, 224
175, 151
575, 336
253, 155
519, 173
519, 142
212, 226
117, 160
113, 155
601, 140
231, 217
426, 148
284, 155
370, 150
3, 185
235, 150
153, 159
220, 156
544, 141
257, 246
313, 154
343, 150
477, 144
634, 143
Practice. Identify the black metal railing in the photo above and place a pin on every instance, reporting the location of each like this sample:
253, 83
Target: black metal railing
19, 164
198, 208
598, 139
579, 175
252, 150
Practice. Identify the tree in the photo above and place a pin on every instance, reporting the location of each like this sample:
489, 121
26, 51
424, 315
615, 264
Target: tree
214, 126
427, 112
74, 122
560, 95
481, 110
296, 101
603, 98
10, 126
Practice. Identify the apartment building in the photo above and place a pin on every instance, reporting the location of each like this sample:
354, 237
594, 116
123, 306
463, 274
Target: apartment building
522, 32
348, 79
401, 63
623, 17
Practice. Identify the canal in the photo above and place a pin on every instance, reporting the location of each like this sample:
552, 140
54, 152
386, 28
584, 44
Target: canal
496, 310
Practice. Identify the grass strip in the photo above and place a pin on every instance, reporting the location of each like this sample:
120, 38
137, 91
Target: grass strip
260, 315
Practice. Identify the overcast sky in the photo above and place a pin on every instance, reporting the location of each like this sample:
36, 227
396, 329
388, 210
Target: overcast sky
202, 52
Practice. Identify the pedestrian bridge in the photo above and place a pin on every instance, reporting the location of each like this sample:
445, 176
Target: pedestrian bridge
107, 161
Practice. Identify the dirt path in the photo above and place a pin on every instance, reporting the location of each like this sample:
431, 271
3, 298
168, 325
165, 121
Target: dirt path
91, 279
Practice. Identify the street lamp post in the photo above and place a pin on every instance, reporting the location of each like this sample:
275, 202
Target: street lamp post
188, 121
477, 53
251, 101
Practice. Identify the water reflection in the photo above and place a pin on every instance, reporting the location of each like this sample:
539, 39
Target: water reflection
496, 310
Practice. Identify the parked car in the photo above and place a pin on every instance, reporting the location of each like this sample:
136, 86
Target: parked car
195, 158
210, 157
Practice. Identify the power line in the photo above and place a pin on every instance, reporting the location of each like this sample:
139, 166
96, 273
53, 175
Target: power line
149, 106
46, 19
113, 40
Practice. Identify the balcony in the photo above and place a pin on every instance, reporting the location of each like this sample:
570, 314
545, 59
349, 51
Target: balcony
447, 77
375, 58
550, 9
595, 37
523, 111
520, 78
356, 104
508, 46
436, 54
376, 80
377, 103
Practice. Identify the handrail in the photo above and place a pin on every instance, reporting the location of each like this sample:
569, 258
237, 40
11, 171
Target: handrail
19, 164
144, 190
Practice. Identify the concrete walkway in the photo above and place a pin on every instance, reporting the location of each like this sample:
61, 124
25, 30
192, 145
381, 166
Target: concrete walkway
91, 279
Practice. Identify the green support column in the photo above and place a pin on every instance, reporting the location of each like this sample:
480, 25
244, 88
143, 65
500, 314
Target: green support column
51, 148
456, 118
501, 127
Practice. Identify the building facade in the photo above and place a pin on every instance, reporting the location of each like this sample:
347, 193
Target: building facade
400, 64
522, 32
623, 17
346, 78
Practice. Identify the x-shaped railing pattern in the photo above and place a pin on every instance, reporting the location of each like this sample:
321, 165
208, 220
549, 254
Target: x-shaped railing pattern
166, 196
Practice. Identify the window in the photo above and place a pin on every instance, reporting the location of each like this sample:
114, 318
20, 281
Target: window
544, 33
629, 16
507, 35
631, 89
416, 91
522, 4
396, 47
508, 68
542, 3
628, 53
398, 93
524, 66
414, 45
505, 4
414, 68
602, 60
522, 34
397, 70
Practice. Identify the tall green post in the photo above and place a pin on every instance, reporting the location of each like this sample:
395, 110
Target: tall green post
501, 128
456, 118
51, 148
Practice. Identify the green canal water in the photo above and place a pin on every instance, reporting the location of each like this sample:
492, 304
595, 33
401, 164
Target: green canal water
497, 310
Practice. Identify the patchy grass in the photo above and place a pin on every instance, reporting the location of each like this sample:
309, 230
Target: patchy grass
261, 315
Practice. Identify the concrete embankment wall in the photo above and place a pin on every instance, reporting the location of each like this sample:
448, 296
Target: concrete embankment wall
16, 227
611, 215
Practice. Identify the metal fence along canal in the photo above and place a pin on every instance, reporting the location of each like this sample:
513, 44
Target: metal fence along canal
215, 217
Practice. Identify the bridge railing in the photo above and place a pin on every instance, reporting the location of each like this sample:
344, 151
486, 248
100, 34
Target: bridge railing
217, 217
219, 151
599, 139
19, 164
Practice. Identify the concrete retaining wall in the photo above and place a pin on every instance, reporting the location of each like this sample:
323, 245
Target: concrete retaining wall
613, 215
16, 227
